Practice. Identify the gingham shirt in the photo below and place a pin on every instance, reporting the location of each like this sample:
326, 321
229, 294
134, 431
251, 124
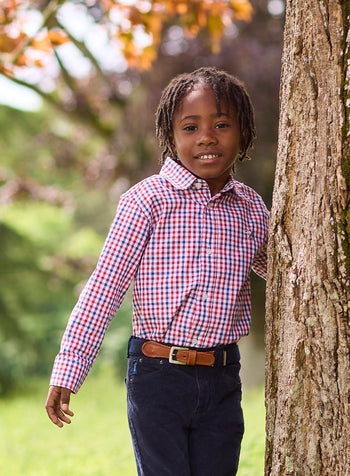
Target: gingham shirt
190, 256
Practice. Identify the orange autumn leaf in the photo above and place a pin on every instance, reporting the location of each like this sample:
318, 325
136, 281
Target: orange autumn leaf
42, 44
170, 7
38, 63
202, 19
192, 30
148, 56
22, 60
215, 27
108, 4
10, 4
9, 44
129, 48
154, 26
243, 10
49, 41
135, 16
182, 8
57, 37
124, 20
8, 10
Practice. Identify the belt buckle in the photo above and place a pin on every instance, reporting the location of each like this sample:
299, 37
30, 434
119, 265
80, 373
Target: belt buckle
172, 356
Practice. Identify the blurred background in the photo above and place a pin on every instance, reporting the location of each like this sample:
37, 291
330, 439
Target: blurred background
77, 130
80, 82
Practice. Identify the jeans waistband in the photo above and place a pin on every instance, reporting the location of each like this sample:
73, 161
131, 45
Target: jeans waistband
224, 354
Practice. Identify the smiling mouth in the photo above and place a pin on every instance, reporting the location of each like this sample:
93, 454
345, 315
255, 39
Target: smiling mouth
208, 156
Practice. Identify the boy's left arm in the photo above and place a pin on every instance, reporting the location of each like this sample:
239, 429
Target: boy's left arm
260, 262
259, 265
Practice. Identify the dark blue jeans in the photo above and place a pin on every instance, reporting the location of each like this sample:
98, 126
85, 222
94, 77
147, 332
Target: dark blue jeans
184, 421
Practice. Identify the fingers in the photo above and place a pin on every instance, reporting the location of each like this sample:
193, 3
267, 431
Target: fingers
58, 417
57, 405
64, 401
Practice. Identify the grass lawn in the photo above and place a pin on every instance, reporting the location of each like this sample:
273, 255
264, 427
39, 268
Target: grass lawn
97, 443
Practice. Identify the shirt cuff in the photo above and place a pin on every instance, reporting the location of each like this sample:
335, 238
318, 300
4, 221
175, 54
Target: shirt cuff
69, 371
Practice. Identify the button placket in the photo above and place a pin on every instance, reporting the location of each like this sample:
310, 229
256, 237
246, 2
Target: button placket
203, 289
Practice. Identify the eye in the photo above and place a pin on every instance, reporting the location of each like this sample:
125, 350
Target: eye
222, 125
190, 128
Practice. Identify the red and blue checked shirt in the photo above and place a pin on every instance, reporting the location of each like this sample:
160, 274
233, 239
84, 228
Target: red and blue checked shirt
190, 256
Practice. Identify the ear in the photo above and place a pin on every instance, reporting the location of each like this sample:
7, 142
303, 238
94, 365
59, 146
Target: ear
172, 144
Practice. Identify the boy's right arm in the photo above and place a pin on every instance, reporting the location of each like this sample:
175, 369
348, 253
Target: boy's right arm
103, 294
57, 405
97, 304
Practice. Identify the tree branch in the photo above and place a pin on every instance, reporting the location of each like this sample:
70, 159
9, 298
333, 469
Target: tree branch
47, 13
82, 48
86, 116
46, 96
68, 78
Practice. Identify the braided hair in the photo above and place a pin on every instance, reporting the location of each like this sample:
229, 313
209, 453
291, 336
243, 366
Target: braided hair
225, 86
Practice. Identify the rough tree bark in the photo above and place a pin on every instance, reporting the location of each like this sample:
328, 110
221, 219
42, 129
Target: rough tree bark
308, 289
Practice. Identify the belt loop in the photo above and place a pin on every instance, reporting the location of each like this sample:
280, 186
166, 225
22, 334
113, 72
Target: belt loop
129, 344
192, 354
224, 356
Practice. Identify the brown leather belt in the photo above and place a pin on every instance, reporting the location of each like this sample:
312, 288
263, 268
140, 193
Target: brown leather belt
178, 355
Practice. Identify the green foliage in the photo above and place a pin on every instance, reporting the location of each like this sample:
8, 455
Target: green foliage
48, 222
20, 280
39, 222
253, 445
40, 265
97, 443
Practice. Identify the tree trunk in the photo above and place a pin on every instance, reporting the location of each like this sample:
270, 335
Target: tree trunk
308, 289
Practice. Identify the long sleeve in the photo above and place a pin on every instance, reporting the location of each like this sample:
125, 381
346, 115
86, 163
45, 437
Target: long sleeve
102, 295
260, 260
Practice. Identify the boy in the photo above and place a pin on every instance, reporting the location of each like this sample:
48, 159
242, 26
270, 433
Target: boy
189, 238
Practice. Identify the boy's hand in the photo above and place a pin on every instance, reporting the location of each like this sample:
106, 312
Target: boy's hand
57, 405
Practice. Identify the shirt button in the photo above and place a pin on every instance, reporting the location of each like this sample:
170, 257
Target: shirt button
208, 251
198, 185
205, 296
194, 342
210, 205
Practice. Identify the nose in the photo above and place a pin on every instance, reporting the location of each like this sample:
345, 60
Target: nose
207, 137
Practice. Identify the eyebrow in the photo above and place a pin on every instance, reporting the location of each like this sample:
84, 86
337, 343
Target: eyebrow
218, 114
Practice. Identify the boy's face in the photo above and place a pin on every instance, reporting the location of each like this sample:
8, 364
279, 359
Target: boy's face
206, 142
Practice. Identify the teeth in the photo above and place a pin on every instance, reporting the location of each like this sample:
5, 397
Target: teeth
210, 156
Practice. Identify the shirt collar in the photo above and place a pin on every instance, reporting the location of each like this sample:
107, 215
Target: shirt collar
177, 175
182, 178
